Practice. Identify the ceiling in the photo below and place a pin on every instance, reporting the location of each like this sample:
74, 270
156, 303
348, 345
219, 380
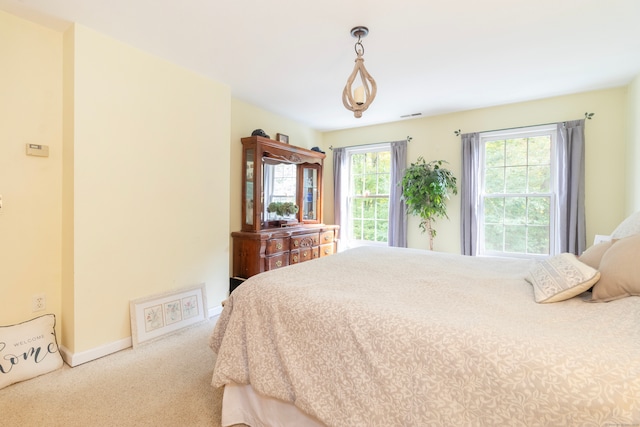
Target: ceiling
428, 57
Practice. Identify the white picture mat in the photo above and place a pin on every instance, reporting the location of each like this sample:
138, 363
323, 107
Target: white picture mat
157, 315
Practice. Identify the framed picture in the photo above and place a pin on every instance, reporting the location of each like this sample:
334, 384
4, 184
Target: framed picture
282, 138
157, 315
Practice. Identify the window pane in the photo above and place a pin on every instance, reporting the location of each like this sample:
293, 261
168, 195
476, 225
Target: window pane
516, 152
369, 208
383, 183
369, 230
538, 211
515, 210
515, 238
494, 153
494, 237
370, 185
494, 180
356, 229
494, 210
356, 208
384, 162
382, 231
382, 209
539, 179
538, 240
516, 179
357, 185
540, 150
357, 164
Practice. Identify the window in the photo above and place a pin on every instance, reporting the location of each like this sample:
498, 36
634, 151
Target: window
517, 196
369, 172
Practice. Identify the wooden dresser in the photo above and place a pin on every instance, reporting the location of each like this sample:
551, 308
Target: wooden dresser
267, 250
276, 174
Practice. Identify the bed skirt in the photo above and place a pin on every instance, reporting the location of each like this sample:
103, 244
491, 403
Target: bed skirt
242, 405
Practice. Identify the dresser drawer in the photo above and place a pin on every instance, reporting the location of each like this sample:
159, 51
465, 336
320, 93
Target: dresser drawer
275, 246
304, 241
277, 261
327, 237
326, 250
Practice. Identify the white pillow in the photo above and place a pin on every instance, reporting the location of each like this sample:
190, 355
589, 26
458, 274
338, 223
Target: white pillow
628, 227
561, 277
28, 349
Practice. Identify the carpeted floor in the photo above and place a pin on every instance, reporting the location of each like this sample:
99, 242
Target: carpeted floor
161, 383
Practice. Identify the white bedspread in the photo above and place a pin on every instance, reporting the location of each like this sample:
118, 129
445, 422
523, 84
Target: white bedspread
400, 337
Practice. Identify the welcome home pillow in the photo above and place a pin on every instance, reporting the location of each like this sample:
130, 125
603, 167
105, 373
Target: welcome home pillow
28, 349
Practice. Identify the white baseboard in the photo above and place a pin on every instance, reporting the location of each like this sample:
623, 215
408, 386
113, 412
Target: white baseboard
75, 359
215, 311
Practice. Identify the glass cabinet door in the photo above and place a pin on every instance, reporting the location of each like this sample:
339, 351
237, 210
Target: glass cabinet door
249, 202
310, 193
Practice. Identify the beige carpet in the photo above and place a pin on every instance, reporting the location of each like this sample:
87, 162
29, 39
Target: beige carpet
162, 383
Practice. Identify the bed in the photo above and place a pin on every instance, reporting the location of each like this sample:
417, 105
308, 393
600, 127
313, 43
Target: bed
400, 337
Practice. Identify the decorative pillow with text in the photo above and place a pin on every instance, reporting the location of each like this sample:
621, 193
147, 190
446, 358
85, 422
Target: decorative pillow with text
28, 349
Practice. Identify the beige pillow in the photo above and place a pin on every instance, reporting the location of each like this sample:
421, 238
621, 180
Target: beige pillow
561, 277
593, 255
620, 271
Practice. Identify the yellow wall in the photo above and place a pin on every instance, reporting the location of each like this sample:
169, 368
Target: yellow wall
132, 199
150, 171
633, 147
30, 222
434, 139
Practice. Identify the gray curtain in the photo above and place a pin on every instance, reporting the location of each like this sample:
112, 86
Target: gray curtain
397, 207
572, 236
469, 193
339, 192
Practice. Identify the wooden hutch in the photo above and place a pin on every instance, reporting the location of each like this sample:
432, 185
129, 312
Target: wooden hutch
274, 172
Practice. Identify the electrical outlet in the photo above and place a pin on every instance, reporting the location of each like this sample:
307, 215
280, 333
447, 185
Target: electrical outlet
38, 302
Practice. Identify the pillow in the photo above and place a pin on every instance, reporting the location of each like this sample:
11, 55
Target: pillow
628, 227
593, 255
28, 349
561, 277
620, 271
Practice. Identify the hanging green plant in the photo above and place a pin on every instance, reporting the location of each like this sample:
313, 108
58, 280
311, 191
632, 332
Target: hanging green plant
426, 187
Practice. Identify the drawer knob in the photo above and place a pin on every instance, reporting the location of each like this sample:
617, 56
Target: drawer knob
326, 237
327, 251
278, 263
304, 254
279, 245
296, 243
295, 258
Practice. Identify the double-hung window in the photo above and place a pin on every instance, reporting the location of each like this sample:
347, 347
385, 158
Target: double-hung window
517, 196
369, 173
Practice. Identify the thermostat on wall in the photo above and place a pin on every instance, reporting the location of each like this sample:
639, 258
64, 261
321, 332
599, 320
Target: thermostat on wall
37, 150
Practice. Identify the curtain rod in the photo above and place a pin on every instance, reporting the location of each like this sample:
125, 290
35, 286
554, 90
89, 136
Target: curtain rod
409, 138
587, 116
